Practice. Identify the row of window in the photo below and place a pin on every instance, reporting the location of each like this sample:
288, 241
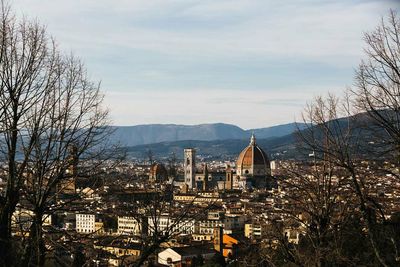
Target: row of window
85, 230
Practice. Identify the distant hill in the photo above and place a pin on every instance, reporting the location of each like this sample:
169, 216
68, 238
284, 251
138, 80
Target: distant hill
277, 131
158, 133
217, 149
278, 141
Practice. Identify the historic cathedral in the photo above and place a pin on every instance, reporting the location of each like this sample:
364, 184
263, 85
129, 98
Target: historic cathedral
252, 171
253, 167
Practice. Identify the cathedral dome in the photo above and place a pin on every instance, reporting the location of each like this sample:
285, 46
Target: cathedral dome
253, 161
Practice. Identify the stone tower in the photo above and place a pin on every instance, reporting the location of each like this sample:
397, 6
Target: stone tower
229, 178
190, 167
67, 184
205, 181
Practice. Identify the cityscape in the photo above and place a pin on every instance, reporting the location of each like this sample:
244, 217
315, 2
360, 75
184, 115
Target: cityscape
188, 158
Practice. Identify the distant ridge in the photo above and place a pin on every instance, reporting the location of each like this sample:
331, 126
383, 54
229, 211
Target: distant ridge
217, 149
280, 142
276, 131
157, 133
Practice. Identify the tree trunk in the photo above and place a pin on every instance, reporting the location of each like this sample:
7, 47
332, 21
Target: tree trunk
6, 257
34, 253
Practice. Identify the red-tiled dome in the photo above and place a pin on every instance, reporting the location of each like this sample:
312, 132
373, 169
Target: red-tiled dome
253, 160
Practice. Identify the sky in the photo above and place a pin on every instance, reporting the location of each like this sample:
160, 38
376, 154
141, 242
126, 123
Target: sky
252, 63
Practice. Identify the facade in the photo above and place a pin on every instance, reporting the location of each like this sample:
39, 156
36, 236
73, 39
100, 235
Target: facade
255, 229
88, 223
210, 180
233, 222
128, 226
229, 222
215, 219
122, 252
167, 223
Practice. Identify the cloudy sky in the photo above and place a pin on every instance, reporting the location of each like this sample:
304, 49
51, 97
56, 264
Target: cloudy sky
253, 63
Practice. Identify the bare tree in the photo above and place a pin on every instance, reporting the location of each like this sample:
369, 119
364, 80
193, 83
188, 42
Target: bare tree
318, 197
25, 63
48, 106
364, 125
69, 127
318, 204
336, 136
378, 82
377, 92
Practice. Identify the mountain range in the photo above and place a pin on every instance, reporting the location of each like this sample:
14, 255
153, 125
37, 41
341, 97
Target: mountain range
225, 141
275, 147
129, 136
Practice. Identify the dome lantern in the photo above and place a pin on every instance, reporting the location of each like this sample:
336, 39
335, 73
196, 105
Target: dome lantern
253, 139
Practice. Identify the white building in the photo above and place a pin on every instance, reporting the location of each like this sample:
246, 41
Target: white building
214, 219
254, 230
128, 226
87, 223
166, 223
229, 222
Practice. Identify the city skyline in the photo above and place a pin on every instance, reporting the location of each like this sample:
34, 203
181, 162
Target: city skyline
248, 63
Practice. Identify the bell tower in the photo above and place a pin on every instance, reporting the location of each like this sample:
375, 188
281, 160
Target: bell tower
229, 178
205, 181
190, 167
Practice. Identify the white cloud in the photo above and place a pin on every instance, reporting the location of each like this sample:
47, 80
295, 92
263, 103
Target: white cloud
165, 50
318, 30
